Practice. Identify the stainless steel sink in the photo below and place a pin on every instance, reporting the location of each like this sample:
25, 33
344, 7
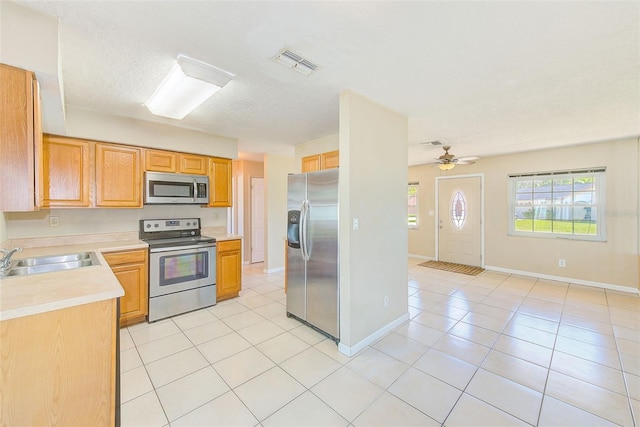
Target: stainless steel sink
47, 264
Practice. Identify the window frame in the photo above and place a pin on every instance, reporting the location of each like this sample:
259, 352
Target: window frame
415, 185
599, 192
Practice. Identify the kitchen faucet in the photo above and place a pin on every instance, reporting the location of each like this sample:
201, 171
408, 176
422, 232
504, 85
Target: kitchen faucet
5, 261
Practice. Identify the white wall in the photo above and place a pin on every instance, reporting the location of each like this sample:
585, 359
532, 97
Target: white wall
96, 221
29, 40
276, 169
83, 123
373, 183
614, 262
244, 170
3, 229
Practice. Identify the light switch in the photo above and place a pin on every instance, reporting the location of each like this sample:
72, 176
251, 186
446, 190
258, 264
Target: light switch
355, 223
431, 213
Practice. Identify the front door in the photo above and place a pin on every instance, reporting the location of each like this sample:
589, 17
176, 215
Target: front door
460, 220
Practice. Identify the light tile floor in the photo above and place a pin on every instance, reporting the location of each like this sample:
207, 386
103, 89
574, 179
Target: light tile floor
493, 349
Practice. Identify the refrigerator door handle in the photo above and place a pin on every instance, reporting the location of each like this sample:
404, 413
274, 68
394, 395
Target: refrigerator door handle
304, 216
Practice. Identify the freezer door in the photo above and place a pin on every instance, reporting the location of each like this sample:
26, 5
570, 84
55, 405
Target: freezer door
296, 266
322, 248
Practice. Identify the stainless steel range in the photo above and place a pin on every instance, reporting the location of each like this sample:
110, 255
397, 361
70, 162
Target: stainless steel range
182, 266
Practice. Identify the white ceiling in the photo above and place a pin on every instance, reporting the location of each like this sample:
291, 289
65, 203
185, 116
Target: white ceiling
485, 77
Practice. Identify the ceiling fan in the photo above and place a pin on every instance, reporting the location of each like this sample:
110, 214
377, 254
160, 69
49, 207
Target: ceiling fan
449, 161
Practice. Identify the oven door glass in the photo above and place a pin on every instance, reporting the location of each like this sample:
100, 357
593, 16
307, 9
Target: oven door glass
183, 268
178, 270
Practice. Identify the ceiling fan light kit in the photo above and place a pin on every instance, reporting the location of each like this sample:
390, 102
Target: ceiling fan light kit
449, 161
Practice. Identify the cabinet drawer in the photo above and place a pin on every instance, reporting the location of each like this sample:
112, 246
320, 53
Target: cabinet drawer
125, 257
229, 245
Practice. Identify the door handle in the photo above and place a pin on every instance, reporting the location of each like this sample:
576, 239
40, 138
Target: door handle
195, 190
304, 212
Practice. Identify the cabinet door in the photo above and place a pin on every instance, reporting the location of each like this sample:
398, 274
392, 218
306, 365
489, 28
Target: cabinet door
20, 140
229, 271
160, 161
130, 267
118, 176
193, 164
59, 367
330, 159
311, 163
66, 172
220, 182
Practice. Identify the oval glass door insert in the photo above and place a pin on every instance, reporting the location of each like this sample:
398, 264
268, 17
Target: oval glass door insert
458, 210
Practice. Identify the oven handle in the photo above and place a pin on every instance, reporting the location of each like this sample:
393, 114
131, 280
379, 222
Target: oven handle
182, 248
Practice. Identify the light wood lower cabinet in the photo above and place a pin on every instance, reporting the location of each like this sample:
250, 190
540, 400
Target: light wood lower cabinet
59, 368
228, 269
131, 269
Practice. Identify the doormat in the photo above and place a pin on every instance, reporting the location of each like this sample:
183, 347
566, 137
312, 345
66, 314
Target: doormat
454, 268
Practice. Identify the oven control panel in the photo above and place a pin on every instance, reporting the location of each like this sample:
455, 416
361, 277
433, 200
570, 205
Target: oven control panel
181, 224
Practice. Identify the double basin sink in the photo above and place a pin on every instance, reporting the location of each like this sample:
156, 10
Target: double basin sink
47, 264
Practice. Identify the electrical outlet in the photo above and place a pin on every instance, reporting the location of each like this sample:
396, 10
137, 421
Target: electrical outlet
356, 224
386, 301
54, 221
562, 263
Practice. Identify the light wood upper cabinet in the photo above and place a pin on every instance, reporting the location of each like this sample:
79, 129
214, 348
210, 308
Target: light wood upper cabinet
220, 182
66, 171
228, 269
118, 176
193, 164
130, 267
311, 163
322, 161
330, 160
173, 162
20, 140
160, 161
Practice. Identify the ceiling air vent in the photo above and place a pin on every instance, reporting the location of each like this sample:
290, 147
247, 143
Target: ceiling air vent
296, 62
431, 143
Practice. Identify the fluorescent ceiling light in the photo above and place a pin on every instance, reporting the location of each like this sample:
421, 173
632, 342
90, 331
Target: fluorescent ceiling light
188, 84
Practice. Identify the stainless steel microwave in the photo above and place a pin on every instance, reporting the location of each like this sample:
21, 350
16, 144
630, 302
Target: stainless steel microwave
173, 188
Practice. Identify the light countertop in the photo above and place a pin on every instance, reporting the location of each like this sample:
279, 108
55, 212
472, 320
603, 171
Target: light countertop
39, 293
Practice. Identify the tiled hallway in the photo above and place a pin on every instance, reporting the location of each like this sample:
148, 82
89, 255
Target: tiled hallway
487, 350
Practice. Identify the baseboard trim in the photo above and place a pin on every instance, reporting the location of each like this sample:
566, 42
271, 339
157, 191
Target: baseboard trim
273, 270
610, 286
355, 349
426, 258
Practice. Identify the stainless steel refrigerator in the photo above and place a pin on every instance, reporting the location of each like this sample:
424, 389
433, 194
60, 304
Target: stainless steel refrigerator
312, 250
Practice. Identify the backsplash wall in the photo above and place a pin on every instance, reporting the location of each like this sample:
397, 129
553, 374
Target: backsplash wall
95, 221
